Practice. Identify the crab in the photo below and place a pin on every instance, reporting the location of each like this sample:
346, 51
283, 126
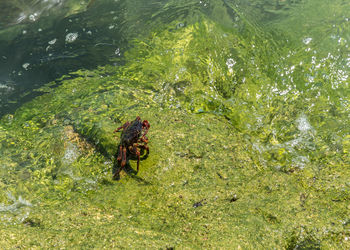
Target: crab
132, 139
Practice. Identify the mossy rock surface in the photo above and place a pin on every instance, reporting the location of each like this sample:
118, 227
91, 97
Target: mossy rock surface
199, 187
236, 160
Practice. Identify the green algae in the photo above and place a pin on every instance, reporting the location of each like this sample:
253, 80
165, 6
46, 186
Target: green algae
235, 161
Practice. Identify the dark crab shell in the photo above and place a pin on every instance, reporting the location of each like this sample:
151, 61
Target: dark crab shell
131, 133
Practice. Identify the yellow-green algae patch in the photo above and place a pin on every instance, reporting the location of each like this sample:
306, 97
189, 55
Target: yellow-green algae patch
206, 182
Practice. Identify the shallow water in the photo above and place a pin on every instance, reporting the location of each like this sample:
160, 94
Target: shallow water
64, 36
248, 103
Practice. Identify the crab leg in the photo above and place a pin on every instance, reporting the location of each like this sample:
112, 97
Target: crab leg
145, 126
145, 133
141, 146
119, 158
138, 158
142, 139
122, 127
124, 157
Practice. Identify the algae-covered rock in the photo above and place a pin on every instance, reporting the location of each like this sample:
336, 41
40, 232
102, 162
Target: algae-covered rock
238, 158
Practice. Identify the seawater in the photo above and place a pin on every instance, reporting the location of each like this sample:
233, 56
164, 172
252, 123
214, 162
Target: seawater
248, 103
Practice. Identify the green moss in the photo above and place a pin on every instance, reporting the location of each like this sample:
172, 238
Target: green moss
234, 161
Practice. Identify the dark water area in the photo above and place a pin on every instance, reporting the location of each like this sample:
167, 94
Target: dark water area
40, 42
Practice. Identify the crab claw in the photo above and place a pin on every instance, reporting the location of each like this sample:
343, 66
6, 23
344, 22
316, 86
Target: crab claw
146, 124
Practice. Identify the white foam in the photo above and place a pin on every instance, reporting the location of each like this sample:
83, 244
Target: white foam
71, 37
303, 124
307, 40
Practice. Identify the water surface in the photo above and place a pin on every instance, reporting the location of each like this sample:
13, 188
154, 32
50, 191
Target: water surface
248, 103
